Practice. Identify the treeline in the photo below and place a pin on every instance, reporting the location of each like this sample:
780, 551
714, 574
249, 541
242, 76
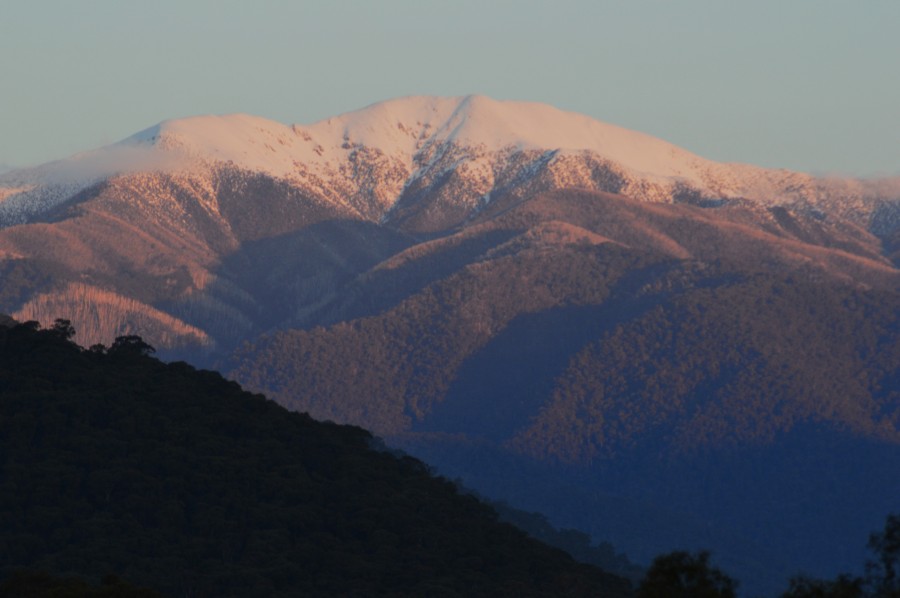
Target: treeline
576, 543
682, 574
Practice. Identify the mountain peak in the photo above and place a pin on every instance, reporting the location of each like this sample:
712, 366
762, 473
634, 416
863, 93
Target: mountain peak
399, 127
476, 120
370, 158
240, 138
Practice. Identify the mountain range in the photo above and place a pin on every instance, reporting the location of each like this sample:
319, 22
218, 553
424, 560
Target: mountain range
653, 347
158, 230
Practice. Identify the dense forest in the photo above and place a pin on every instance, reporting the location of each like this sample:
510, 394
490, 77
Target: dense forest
684, 317
176, 480
741, 363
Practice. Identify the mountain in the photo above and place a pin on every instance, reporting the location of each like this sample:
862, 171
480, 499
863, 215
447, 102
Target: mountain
178, 480
163, 233
581, 320
381, 161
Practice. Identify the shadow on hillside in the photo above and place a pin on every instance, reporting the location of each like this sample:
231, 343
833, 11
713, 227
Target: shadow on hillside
278, 282
500, 388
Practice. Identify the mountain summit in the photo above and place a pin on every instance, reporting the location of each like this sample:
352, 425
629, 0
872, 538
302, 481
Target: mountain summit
381, 160
405, 126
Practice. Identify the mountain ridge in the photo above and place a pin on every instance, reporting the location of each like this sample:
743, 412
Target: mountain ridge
389, 151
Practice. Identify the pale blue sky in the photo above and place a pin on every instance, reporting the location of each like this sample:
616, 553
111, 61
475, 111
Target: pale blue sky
803, 84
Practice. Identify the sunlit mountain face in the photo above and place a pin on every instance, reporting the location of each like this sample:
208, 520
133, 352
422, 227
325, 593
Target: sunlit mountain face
659, 349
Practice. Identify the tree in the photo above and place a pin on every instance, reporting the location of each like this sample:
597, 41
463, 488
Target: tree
884, 571
680, 574
63, 329
130, 346
882, 574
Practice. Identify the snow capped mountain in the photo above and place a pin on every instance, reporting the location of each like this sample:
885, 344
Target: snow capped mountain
403, 127
470, 268
431, 162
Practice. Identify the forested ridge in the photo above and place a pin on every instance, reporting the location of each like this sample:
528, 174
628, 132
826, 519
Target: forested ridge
674, 313
176, 480
580, 353
742, 363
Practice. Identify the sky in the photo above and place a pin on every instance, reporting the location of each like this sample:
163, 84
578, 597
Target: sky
810, 85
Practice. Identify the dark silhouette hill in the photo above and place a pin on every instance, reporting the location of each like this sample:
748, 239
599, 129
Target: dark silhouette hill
175, 479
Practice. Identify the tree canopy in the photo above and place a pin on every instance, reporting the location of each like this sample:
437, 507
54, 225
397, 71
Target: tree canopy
177, 480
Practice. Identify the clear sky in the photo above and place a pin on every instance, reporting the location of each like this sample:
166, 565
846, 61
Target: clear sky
809, 85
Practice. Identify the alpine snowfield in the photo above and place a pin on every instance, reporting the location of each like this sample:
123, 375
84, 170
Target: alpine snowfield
468, 149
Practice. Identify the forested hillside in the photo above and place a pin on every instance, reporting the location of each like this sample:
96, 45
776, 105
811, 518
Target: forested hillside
175, 479
714, 365
559, 330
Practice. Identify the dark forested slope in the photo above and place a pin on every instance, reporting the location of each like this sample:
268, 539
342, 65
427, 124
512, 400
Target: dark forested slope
177, 480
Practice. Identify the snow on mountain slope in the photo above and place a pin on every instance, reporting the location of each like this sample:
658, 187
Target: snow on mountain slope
31, 191
459, 152
406, 125
250, 142
402, 127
